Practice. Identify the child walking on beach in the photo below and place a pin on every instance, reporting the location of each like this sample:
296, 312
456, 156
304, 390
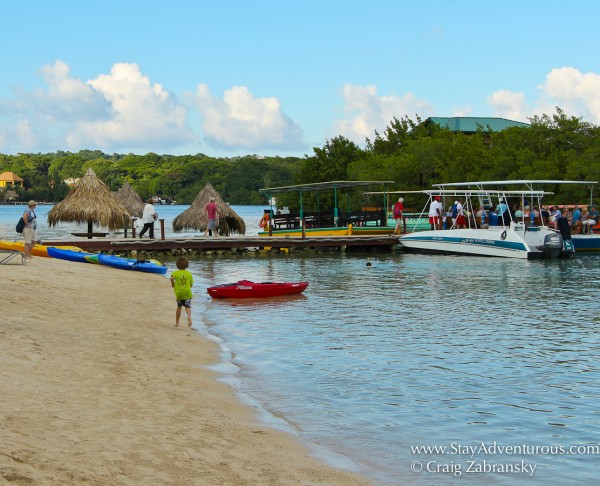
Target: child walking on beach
182, 282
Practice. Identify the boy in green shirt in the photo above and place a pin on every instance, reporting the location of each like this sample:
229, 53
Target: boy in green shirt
182, 282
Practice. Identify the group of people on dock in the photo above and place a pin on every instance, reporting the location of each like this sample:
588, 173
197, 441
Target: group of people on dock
581, 220
149, 216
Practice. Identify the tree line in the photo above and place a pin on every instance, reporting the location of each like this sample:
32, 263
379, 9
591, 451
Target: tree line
413, 154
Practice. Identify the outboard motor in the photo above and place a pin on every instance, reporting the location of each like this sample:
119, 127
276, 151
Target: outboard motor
553, 245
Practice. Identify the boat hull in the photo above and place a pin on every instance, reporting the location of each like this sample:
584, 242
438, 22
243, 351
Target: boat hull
130, 264
245, 289
514, 242
586, 242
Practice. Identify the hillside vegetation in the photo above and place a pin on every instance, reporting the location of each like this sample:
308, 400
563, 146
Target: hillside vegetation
412, 154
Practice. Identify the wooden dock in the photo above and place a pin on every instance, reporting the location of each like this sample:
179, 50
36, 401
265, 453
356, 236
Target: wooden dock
386, 242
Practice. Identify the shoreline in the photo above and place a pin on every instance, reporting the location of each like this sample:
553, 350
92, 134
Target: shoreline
99, 387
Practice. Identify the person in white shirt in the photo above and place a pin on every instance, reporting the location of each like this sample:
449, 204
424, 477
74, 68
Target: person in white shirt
148, 217
460, 215
435, 213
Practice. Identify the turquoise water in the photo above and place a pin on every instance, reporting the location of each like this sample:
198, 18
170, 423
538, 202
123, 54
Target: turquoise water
9, 215
424, 350
420, 350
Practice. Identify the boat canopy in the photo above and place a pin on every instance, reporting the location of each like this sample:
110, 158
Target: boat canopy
529, 183
525, 182
319, 186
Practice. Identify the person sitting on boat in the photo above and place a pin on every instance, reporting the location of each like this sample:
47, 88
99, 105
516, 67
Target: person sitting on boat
529, 216
398, 211
576, 219
460, 215
591, 218
503, 212
435, 213
554, 217
519, 214
483, 217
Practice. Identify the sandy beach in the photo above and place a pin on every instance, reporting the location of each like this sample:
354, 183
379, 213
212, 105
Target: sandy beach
98, 387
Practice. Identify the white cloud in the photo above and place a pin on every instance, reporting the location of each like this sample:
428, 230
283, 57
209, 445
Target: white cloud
576, 93
66, 96
240, 120
507, 104
143, 114
119, 110
368, 112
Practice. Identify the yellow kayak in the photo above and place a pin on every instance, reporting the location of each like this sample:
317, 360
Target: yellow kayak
37, 250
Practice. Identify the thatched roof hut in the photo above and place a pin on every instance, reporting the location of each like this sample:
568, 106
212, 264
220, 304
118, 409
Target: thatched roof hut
195, 216
90, 201
130, 200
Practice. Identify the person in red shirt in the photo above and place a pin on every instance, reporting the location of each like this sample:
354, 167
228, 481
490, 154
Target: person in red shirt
398, 211
212, 215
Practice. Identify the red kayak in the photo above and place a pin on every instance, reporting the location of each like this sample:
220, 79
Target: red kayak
247, 289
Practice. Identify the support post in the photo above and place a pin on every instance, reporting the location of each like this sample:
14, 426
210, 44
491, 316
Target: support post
162, 228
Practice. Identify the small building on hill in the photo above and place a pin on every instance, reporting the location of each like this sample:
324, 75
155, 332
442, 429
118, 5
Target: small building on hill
10, 179
470, 124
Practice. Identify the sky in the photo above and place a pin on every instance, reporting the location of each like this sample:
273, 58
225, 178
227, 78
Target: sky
279, 77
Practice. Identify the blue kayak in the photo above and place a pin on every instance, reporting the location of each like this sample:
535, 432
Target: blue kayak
131, 264
72, 256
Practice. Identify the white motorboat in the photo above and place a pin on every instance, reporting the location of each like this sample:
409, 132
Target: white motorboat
516, 241
517, 238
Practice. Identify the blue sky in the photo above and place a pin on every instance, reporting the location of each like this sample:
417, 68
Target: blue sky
266, 77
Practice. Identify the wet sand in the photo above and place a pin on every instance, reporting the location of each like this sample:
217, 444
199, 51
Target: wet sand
98, 387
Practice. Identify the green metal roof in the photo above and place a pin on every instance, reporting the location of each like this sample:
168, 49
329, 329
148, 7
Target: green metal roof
470, 124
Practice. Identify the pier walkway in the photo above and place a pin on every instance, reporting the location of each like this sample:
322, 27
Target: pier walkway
386, 242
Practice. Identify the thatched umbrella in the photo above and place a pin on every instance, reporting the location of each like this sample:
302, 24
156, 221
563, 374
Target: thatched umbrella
130, 200
90, 201
195, 216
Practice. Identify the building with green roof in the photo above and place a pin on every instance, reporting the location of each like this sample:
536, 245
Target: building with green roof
470, 124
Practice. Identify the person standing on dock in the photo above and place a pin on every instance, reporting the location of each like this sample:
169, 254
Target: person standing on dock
148, 217
212, 216
398, 210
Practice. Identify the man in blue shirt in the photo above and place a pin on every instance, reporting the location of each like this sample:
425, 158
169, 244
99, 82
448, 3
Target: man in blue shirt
493, 218
503, 213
